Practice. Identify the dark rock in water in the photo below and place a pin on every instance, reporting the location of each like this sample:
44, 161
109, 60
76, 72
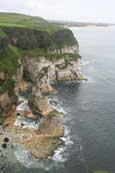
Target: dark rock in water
22, 124
3, 163
86, 79
6, 139
4, 145
2, 156
12, 146
18, 114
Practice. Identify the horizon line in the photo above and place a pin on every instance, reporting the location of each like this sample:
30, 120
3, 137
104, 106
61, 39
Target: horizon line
63, 20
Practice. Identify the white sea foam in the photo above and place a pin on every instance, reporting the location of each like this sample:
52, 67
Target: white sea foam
84, 62
59, 154
25, 159
23, 106
26, 123
58, 157
55, 104
89, 80
66, 138
21, 98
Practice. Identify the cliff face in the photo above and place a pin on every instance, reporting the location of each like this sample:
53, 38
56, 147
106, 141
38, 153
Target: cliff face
8, 98
40, 57
44, 71
64, 37
26, 39
59, 59
7, 104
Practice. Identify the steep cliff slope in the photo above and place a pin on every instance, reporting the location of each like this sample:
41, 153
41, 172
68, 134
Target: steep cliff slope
34, 50
27, 36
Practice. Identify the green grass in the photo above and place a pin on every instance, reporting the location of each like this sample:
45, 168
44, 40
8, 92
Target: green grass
1, 87
26, 21
2, 34
20, 26
9, 59
7, 85
101, 171
1, 119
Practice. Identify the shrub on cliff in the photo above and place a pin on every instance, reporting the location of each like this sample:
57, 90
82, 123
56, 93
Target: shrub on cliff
9, 59
7, 85
3, 40
26, 39
64, 37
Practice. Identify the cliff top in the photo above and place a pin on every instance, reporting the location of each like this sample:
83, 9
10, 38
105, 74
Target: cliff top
26, 21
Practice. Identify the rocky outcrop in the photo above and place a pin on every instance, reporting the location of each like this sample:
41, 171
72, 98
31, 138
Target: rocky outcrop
73, 49
46, 71
47, 139
8, 98
69, 71
7, 104
20, 72
39, 103
45, 86
40, 142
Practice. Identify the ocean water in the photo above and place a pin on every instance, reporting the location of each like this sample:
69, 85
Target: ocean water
88, 111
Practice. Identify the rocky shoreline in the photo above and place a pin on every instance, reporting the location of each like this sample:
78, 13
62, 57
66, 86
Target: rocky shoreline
29, 119
41, 140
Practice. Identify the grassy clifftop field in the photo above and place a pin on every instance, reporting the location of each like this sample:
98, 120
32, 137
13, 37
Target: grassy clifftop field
26, 21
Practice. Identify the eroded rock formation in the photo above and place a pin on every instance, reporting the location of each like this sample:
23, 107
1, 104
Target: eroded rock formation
60, 61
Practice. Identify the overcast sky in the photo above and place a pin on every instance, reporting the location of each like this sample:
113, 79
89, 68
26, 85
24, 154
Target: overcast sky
75, 10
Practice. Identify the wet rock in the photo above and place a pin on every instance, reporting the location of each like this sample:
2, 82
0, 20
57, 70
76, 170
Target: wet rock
42, 144
4, 145
45, 86
22, 124
6, 140
52, 126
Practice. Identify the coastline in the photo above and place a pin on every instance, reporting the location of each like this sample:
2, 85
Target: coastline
33, 123
15, 126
